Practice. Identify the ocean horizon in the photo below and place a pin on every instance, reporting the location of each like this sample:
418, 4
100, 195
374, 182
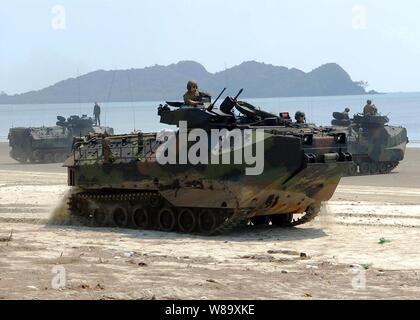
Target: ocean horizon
403, 109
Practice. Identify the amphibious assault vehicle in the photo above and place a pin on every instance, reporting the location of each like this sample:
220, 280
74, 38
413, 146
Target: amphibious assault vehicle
376, 147
50, 144
195, 180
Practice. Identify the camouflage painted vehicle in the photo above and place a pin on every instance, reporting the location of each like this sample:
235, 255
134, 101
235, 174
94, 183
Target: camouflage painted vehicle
120, 182
50, 144
376, 147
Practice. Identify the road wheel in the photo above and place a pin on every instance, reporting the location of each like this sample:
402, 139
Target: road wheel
383, 167
141, 218
36, 156
207, 221
373, 168
120, 217
364, 168
23, 159
166, 220
99, 217
48, 158
352, 169
187, 221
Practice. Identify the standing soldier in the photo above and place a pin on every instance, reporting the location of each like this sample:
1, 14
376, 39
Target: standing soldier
193, 97
370, 109
97, 114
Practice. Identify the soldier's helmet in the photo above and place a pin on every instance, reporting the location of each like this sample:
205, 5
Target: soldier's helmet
299, 114
347, 110
369, 102
191, 84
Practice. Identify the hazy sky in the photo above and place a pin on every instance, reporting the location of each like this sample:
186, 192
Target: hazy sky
43, 41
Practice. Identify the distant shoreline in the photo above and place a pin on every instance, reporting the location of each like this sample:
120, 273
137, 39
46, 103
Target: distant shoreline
243, 98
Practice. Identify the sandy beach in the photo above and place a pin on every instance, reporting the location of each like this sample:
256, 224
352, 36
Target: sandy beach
364, 245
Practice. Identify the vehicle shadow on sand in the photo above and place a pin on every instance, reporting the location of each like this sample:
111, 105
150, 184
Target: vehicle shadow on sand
243, 234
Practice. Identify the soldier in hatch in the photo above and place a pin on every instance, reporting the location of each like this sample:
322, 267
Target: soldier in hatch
346, 114
370, 109
193, 97
300, 117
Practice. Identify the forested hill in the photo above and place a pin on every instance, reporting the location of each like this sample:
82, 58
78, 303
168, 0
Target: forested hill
259, 80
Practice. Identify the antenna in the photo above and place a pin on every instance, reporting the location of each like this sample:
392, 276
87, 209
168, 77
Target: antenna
131, 98
78, 91
43, 117
13, 122
239, 93
109, 92
226, 77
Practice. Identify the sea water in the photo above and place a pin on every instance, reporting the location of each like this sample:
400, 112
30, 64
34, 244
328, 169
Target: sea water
403, 109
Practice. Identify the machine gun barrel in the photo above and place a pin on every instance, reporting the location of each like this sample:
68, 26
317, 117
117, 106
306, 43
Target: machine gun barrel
239, 93
214, 103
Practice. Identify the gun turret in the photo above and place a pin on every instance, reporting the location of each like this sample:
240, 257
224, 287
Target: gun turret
369, 121
77, 125
229, 103
222, 117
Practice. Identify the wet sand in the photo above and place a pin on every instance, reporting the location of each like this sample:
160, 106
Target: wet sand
320, 260
7, 163
406, 175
